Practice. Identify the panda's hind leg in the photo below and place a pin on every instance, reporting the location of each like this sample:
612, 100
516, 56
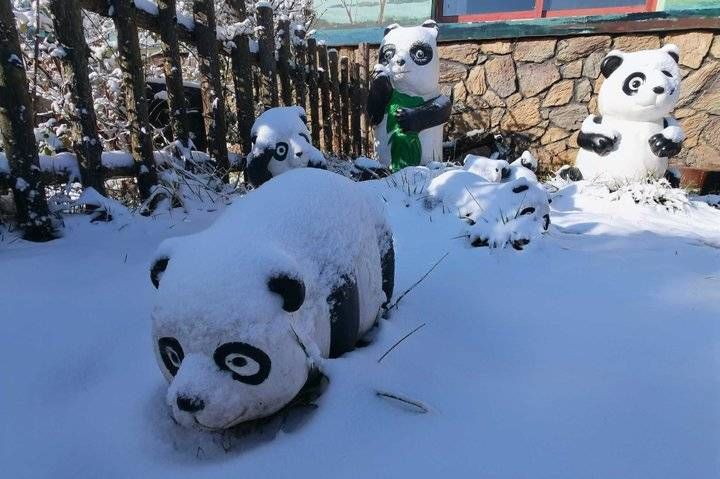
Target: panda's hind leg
344, 301
387, 265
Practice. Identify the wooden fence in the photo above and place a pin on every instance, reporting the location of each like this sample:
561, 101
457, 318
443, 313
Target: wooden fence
297, 71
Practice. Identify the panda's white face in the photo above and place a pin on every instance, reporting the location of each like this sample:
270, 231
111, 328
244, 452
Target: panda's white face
409, 57
283, 134
226, 363
640, 86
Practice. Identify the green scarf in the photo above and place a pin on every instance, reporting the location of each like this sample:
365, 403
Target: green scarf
405, 148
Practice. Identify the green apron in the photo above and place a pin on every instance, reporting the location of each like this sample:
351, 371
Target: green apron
405, 148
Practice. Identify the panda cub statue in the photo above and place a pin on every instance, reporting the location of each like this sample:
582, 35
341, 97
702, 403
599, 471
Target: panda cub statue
280, 142
633, 136
293, 272
404, 102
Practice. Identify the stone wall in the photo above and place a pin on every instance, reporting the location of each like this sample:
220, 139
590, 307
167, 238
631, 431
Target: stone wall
542, 89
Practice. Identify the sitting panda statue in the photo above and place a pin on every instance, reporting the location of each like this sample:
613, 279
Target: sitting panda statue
404, 102
633, 136
280, 142
295, 271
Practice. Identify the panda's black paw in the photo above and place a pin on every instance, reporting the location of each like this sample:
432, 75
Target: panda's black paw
570, 173
672, 178
407, 119
600, 144
664, 147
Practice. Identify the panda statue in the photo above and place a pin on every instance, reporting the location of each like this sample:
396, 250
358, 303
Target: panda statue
633, 136
246, 309
280, 142
404, 102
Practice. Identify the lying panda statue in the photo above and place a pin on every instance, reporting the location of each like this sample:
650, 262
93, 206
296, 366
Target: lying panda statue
404, 102
296, 270
280, 142
634, 136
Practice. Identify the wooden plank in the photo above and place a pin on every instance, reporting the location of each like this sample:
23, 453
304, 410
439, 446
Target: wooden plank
345, 95
242, 79
177, 106
335, 90
265, 32
16, 124
211, 83
67, 21
356, 109
283, 62
365, 129
313, 96
133, 81
325, 98
299, 72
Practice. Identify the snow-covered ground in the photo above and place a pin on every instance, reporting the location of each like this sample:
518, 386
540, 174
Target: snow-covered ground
592, 353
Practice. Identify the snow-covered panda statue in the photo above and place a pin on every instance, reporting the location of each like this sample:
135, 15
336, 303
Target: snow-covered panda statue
633, 136
280, 142
404, 103
295, 271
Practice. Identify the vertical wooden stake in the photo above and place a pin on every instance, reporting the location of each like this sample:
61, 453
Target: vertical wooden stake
242, 79
364, 60
67, 21
283, 62
345, 95
299, 73
313, 97
266, 55
356, 110
16, 123
133, 77
336, 108
325, 98
211, 83
177, 106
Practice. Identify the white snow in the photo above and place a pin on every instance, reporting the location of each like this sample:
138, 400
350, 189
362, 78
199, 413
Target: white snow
594, 352
147, 6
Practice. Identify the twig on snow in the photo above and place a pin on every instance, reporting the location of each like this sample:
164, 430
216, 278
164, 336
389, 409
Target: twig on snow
419, 406
414, 285
397, 343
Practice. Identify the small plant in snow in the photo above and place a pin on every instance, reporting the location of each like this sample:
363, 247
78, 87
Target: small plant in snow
653, 192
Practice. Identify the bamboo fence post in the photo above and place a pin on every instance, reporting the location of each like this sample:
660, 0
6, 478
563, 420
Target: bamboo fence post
283, 62
356, 111
133, 78
299, 73
325, 97
266, 55
345, 95
336, 107
242, 79
17, 123
313, 91
364, 51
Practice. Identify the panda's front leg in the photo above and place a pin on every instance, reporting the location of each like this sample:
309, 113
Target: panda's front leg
431, 113
597, 137
668, 142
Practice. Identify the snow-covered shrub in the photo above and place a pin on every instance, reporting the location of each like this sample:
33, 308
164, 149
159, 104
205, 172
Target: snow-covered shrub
653, 192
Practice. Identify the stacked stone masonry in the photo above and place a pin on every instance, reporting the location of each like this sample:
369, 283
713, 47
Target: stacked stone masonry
540, 90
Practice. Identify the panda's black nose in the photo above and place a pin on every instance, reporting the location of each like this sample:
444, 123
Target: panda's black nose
401, 61
190, 404
659, 89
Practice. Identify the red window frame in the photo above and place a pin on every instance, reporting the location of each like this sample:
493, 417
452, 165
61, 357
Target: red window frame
540, 12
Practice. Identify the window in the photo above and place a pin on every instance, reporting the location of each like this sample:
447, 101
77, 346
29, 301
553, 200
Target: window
474, 10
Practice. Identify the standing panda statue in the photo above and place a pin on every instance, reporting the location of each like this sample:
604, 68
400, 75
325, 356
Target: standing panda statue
633, 136
404, 102
294, 271
280, 142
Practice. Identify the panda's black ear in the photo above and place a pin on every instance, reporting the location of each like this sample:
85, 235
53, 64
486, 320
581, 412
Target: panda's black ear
610, 63
390, 27
291, 290
673, 51
430, 24
157, 269
303, 117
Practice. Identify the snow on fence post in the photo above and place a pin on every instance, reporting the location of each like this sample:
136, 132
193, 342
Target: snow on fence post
133, 79
363, 52
325, 98
299, 73
68, 24
17, 123
266, 55
283, 62
211, 84
313, 97
242, 77
356, 109
345, 94
335, 85
177, 106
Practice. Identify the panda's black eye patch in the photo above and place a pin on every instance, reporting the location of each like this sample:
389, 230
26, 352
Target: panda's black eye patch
667, 73
281, 151
171, 354
633, 83
253, 139
248, 364
387, 52
421, 53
